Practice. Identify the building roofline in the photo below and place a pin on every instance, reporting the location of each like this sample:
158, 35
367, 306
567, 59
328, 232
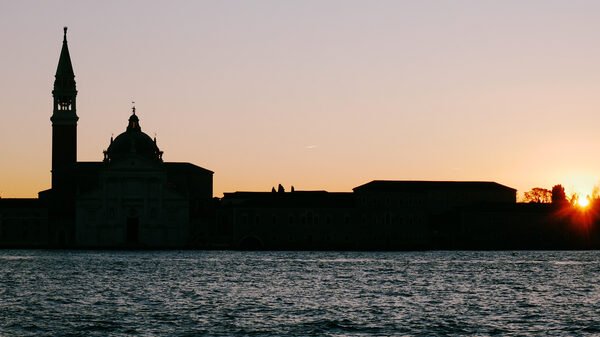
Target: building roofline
428, 184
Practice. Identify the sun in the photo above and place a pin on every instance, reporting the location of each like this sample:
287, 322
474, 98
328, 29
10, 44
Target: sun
583, 202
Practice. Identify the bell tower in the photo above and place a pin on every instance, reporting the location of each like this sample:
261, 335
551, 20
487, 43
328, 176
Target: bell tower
64, 119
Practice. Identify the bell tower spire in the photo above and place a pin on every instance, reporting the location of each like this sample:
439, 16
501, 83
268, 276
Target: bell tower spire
64, 118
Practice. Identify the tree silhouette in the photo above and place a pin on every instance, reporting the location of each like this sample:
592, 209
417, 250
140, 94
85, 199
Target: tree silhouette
596, 192
574, 199
558, 195
538, 195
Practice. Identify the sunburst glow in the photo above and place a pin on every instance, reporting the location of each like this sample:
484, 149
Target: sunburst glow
583, 202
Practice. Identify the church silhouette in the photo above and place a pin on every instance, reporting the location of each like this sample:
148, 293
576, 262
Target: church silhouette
132, 199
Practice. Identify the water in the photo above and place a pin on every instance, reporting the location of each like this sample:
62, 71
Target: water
54, 293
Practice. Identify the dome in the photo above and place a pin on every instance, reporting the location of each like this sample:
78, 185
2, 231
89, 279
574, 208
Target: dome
133, 142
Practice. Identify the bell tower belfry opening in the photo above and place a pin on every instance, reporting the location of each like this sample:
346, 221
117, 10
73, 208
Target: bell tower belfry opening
64, 118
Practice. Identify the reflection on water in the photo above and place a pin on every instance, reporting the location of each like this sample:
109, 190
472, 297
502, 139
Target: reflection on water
51, 293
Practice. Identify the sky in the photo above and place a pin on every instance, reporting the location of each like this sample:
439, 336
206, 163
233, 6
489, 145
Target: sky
316, 94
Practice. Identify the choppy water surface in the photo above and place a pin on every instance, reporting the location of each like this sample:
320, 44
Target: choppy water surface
53, 293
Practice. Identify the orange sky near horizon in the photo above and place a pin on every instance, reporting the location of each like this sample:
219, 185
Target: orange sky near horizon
316, 94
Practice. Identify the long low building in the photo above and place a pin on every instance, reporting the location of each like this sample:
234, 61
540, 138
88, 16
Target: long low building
379, 215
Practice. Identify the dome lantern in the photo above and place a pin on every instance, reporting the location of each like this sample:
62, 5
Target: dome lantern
133, 143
